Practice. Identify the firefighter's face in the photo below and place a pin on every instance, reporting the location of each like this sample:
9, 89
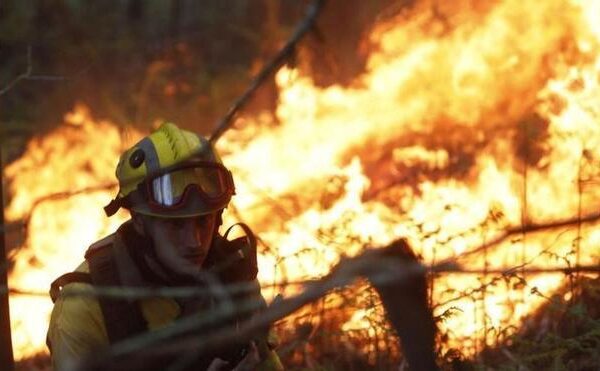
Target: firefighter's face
181, 244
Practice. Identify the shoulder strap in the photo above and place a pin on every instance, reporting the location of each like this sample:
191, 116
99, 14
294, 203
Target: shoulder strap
239, 262
249, 237
66, 279
122, 318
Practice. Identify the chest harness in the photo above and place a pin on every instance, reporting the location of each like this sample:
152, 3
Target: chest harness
235, 259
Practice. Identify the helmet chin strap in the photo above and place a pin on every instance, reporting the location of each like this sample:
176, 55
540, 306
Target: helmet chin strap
218, 222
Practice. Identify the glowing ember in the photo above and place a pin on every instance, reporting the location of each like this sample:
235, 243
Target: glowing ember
468, 120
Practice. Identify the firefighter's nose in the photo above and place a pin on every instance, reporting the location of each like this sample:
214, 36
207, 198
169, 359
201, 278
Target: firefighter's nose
192, 233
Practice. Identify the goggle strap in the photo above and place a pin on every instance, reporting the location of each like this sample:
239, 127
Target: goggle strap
114, 206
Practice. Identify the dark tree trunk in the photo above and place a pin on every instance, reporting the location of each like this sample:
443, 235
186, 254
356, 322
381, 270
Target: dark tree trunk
6, 352
405, 302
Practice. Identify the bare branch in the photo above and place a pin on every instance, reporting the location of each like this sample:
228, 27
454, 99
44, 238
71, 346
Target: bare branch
22, 76
514, 270
28, 75
278, 59
526, 228
119, 292
24, 223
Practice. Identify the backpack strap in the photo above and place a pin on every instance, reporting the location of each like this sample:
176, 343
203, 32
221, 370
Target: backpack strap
65, 279
239, 262
123, 318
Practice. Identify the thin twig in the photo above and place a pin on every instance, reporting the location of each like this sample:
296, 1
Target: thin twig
62, 195
28, 75
529, 227
518, 269
119, 292
278, 59
22, 76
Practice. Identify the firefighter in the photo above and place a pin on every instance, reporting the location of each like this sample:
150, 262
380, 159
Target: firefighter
175, 187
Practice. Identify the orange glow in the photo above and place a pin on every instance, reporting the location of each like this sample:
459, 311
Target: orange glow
459, 119
79, 155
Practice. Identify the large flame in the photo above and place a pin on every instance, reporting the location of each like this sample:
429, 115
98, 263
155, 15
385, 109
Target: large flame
80, 155
467, 121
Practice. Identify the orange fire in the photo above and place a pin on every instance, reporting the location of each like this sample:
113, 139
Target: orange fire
81, 154
467, 121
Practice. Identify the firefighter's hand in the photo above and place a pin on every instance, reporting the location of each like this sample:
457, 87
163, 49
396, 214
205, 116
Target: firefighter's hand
250, 361
217, 364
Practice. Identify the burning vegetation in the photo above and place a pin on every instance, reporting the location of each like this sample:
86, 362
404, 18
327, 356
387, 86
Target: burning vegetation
474, 129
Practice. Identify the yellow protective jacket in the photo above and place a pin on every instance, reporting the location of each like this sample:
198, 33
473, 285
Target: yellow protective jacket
77, 324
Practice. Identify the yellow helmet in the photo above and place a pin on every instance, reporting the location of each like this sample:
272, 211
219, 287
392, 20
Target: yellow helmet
172, 173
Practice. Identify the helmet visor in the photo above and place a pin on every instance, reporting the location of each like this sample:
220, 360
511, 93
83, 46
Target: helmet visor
211, 181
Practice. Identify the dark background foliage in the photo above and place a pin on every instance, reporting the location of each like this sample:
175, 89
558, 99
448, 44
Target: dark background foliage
134, 62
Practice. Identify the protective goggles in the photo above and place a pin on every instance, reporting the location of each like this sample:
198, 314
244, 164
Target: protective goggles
184, 189
173, 188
